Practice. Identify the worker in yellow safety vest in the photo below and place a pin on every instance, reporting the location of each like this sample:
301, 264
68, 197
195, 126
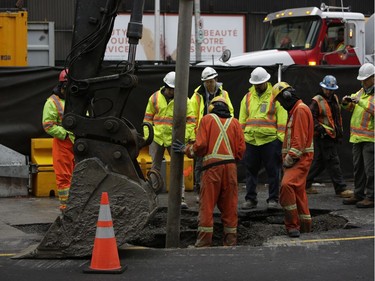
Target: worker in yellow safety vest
263, 122
62, 146
159, 113
200, 101
361, 104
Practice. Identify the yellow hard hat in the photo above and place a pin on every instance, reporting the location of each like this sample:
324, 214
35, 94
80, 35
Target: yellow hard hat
217, 99
279, 87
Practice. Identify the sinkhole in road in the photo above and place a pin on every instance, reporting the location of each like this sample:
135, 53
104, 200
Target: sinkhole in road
255, 227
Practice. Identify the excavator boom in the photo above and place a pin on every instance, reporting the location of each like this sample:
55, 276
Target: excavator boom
106, 145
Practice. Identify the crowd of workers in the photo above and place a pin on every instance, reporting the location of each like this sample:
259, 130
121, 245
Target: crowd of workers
293, 141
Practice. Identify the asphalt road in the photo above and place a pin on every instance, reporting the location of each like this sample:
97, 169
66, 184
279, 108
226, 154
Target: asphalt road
333, 258
341, 254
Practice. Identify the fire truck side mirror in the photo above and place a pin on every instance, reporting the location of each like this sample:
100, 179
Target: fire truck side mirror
350, 34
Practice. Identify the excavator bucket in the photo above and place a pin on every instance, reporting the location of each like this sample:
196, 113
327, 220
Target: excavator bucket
72, 234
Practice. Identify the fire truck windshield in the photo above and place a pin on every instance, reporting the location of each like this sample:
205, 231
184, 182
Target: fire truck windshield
292, 33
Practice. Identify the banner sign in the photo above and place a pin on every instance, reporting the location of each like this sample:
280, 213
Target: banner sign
220, 32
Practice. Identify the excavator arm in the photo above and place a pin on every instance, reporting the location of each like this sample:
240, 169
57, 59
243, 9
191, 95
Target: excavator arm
106, 145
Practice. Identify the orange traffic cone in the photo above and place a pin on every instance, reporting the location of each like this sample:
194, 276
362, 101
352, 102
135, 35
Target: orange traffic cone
105, 258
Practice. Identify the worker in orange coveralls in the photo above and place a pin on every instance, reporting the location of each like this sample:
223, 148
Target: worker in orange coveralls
220, 141
62, 147
297, 153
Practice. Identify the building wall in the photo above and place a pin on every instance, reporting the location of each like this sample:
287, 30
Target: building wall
62, 13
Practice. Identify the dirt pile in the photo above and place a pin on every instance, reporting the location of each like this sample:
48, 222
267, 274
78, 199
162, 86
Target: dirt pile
255, 227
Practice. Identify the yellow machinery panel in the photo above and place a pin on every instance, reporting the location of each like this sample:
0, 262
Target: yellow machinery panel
13, 38
188, 174
145, 162
44, 181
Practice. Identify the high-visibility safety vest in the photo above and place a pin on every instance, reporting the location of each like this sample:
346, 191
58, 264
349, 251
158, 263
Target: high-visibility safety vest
221, 140
159, 113
325, 117
53, 113
362, 121
297, 141
197, 103
262, 118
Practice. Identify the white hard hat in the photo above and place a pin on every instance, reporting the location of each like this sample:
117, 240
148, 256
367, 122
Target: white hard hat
169, 79
208, 73
259, 76
365, 71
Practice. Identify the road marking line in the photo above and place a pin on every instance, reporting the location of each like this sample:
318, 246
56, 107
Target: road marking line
7, 255
335, 239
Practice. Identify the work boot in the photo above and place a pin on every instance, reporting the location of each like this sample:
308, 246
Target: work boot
351, 200
293, 233
311, 190
184, 206
345, 194
230, 239
249, 204
272, 205
366, 203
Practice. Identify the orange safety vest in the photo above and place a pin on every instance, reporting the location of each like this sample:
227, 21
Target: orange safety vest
325, 115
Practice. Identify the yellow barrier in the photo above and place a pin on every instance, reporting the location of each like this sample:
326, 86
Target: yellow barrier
44, 182
145, 162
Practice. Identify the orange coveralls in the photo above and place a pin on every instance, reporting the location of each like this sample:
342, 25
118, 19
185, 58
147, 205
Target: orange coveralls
220, 141
62, 146
298, 143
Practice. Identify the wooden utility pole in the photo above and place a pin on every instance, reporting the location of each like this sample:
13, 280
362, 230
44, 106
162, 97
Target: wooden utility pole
179, 121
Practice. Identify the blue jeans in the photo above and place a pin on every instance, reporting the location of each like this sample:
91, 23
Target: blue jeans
270, 155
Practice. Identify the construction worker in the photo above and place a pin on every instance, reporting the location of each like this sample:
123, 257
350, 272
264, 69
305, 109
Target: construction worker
298, 153
325, 109
200, 102
62, 147
263, 123
361, 104
220, 142
159, 113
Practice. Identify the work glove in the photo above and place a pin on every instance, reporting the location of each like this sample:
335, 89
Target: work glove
289, 161
178, 147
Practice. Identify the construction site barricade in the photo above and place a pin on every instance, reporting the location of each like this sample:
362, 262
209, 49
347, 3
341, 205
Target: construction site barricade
44, 180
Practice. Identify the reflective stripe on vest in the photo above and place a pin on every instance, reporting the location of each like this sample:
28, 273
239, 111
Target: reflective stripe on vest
363, 128
59, 106
222, 137
270, 122
288, 147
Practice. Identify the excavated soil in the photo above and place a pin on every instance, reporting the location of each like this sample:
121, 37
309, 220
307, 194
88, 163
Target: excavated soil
254, 228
